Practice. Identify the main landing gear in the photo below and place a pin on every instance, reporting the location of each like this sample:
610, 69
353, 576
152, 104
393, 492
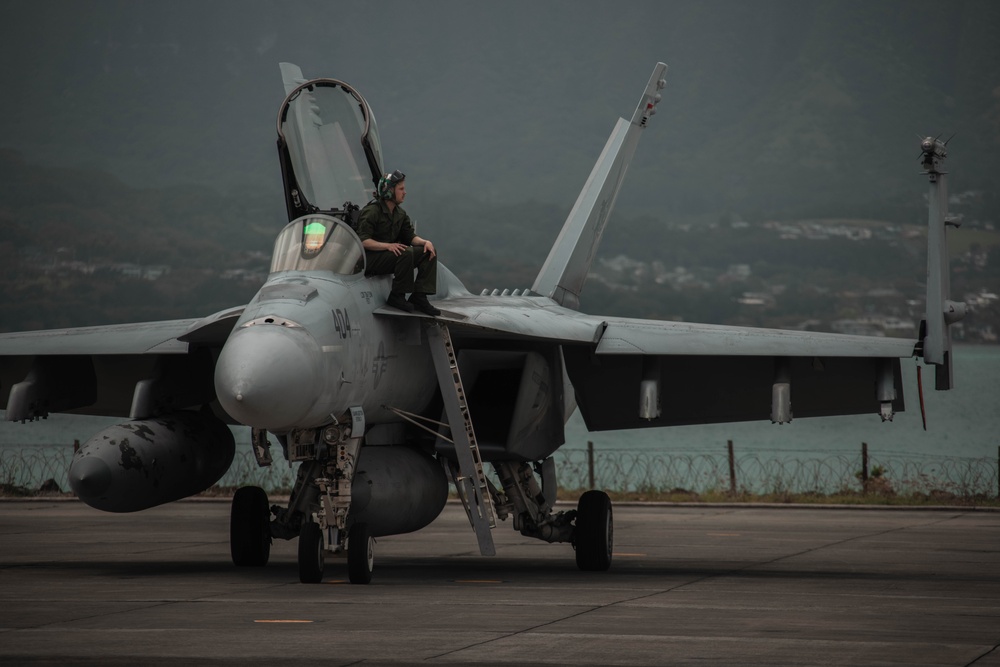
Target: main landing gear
593, 537
250, 538
250, 527
590, 527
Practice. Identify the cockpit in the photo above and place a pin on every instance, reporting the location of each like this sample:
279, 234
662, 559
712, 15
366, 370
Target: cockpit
318, 242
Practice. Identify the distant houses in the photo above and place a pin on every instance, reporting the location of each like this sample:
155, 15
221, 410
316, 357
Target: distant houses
854, 306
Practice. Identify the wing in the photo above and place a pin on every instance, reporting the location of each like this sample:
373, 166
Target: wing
646, 373
624, 336
514, 319
509, 317
128, 370
631, 373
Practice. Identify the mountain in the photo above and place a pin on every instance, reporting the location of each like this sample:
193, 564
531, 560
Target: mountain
772, 108
80, 247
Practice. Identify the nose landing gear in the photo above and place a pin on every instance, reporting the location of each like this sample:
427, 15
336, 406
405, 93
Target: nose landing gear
311, 553
360, 554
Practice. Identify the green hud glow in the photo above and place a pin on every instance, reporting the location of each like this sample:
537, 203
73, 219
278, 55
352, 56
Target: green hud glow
315, 228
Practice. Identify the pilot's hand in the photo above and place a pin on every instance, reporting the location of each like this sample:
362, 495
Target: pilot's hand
429, 247
396, 249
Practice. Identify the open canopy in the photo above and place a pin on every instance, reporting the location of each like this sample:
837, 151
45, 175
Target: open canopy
329, 148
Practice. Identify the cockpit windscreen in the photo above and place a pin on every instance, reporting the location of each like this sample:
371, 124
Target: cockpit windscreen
318, 243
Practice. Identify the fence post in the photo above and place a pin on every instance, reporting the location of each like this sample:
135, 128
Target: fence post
864, 464
864, 467
732, 468
590, 463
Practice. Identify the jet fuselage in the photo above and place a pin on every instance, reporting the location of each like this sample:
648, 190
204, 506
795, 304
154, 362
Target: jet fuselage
308, 347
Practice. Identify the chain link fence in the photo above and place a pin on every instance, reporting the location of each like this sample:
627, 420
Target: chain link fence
622, 470
649, 472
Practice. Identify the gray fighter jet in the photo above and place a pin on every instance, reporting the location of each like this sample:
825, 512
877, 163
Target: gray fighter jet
380, 408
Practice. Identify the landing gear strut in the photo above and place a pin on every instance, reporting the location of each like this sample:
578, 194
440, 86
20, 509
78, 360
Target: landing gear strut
329, 488
590, 527
319, 505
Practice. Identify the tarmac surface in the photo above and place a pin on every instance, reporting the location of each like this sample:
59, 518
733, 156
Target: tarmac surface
689, 585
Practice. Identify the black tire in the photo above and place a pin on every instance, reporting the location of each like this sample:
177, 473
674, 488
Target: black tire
594, 534
311, 553
250, 527
360, 554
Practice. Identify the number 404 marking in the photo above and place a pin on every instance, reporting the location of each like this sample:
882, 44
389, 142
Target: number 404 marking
342, 321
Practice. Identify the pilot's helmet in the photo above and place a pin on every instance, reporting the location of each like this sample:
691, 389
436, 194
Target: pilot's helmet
387, 184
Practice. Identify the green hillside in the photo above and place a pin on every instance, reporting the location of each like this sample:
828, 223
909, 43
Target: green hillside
81, 248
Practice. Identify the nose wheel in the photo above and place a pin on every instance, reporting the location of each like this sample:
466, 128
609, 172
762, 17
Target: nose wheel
360, 554
311, 553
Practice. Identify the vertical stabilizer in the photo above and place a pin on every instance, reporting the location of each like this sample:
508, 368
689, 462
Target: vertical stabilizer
941, 311
565, 269
291, 76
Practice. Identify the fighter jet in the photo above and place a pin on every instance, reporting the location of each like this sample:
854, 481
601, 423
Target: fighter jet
380, 408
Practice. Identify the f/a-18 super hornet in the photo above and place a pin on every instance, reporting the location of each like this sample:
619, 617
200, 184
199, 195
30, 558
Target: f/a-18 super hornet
380, 408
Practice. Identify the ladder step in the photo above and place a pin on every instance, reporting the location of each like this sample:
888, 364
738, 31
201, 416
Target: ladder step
480, 506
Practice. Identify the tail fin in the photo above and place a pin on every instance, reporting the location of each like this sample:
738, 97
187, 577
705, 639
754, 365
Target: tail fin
941, 312
565, 270
291, 76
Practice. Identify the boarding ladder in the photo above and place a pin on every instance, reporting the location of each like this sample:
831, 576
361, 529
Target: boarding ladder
471, 483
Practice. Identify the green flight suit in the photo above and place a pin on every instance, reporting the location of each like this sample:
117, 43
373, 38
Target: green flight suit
376, 222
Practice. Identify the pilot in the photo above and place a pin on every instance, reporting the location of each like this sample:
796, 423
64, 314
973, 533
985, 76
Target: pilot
391, 246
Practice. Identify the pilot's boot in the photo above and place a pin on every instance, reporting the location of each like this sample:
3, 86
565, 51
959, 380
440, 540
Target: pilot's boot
397, 300
419, 301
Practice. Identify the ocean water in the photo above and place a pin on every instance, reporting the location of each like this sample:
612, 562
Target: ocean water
963, 422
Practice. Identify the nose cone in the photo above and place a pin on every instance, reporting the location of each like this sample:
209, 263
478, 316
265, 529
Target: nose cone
268, 376
89, 477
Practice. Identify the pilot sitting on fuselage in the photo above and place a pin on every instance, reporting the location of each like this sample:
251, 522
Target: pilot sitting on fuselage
391, 246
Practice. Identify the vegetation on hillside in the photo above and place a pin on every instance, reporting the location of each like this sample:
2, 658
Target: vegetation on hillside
81, 248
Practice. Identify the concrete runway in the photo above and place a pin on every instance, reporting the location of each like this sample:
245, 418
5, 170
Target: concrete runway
689, 585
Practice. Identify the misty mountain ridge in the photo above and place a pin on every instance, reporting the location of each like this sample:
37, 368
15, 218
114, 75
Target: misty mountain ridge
771, 108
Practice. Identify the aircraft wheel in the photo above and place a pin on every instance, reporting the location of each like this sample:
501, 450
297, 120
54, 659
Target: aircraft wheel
360, 554
594, 534
250, 527
311, 554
